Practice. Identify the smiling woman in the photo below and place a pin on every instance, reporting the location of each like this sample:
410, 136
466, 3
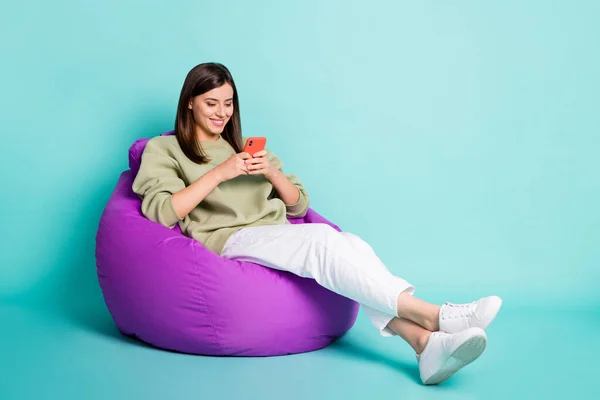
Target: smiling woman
238, 206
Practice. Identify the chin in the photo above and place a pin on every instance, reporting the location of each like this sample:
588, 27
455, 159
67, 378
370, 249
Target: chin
214, 130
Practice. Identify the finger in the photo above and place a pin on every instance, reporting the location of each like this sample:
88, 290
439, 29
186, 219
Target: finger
261, 153
252, 161
245, 156
261, 165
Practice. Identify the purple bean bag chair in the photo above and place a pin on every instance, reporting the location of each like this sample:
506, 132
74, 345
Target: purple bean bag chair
168, 290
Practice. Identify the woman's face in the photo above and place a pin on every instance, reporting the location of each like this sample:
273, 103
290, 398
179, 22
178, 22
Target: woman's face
212, 110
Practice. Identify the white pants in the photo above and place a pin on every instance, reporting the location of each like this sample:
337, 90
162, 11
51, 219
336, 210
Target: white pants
340, 261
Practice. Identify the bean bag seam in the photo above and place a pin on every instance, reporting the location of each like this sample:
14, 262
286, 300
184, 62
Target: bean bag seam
204, 297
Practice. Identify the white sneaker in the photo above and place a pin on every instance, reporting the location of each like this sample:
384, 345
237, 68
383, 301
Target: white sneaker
446, 353
458, 317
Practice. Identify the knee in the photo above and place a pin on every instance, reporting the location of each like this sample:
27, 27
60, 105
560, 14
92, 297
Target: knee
322, 232
359, 243
325, 229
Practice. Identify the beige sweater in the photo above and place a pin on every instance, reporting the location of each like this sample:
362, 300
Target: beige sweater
248, 200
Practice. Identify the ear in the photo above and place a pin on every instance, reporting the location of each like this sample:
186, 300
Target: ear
190, 104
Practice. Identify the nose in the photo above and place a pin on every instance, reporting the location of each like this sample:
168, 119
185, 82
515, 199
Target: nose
221, 111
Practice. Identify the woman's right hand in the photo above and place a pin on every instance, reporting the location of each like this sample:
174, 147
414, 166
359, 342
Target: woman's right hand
233, 167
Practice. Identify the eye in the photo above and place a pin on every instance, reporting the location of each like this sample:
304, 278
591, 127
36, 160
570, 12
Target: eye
211, 104
228, 105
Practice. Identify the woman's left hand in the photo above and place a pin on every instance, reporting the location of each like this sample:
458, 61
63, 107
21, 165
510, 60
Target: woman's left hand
260, 165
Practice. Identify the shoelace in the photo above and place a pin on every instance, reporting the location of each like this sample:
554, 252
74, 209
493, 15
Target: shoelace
458, 310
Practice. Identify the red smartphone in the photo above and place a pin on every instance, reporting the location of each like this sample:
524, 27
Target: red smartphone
254, 145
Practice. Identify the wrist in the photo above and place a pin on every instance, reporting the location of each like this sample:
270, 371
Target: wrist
271, 173
216, 176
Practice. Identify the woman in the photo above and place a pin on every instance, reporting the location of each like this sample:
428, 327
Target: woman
236, 204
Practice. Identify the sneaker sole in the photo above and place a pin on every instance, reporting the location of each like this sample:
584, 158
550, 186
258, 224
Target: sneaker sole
464, 354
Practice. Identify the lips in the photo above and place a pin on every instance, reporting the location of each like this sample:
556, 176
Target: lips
218, 122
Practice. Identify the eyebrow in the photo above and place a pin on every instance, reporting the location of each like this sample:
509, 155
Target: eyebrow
210, 98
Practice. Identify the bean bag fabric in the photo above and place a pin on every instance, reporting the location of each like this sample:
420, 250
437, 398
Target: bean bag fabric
168, 290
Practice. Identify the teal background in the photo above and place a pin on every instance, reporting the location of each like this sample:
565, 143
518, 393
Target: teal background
460, 139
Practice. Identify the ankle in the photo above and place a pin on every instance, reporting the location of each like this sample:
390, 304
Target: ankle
432, 322
421, 342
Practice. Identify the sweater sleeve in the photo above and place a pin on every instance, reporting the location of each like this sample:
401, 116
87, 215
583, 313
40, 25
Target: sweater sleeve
155, 183
299, 209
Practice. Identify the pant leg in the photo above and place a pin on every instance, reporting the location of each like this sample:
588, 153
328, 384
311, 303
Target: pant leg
319, 252
377, 318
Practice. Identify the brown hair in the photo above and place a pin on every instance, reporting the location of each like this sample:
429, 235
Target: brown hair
201, 79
